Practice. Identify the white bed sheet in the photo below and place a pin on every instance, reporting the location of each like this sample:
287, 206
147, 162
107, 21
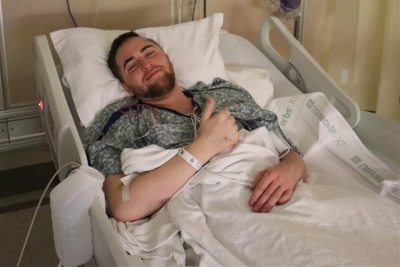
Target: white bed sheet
340, 215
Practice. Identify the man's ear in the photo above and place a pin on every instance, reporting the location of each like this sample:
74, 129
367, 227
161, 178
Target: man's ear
126, 88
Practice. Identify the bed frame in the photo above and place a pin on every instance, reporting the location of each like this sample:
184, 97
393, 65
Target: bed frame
63, 130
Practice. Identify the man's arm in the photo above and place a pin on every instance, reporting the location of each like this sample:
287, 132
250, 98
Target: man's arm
151, 190
275, 185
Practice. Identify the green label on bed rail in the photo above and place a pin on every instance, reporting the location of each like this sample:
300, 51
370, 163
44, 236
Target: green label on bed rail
318, 113
366, 169
288, 112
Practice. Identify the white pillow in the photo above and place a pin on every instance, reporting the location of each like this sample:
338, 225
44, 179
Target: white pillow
192, 47
255, 81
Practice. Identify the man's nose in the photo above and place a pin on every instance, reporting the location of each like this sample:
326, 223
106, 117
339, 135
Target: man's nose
146, 64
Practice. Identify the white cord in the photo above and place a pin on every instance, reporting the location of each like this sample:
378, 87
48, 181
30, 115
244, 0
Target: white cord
96, 12
38, 206
195, 121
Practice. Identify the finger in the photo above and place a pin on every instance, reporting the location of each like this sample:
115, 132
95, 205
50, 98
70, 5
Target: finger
236, 136
266, 195
259, 189
255, 182
268, 205
208, 109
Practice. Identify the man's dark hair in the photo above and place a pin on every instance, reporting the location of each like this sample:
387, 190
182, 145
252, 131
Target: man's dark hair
117, 43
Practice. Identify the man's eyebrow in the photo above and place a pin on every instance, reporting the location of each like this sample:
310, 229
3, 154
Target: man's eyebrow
141, 51
127, 61
145, 47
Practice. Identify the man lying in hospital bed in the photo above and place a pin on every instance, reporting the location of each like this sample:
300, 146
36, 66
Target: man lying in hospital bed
160, 113
212, 214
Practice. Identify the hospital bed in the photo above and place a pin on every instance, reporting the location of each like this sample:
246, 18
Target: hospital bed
297, 76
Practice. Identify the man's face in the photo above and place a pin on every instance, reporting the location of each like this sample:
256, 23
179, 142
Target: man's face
146, 70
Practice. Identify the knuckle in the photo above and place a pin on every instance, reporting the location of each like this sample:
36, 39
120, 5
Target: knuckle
279, 179
272, 172
224, 112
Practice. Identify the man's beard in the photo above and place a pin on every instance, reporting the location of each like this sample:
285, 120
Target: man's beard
160, 87
156, 90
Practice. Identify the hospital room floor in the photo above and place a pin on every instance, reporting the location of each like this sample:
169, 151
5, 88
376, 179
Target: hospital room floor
40, 247
18, 200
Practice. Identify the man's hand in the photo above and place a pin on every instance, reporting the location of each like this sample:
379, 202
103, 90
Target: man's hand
276, 185
217, 131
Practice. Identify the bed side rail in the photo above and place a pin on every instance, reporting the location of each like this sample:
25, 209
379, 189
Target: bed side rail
382, 136
65, 141
62, 135
304, 72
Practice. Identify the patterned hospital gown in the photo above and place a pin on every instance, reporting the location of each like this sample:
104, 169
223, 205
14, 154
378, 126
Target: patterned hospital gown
130, 124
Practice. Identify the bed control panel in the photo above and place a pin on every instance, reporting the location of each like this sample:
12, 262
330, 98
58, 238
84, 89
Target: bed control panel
295, 77
47, 121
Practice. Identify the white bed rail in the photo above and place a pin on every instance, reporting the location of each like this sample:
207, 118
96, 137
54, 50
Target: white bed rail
66, 146
57, 120
301, 67
380, 135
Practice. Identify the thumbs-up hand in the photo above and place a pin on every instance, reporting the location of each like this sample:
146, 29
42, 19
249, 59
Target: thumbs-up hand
217, 131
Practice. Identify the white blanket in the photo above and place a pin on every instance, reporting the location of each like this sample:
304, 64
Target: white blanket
335, 217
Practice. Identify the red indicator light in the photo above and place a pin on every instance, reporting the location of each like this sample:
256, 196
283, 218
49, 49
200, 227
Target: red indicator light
41, 104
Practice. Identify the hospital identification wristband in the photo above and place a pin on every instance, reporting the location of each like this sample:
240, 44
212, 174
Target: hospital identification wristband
189, 158
284, 153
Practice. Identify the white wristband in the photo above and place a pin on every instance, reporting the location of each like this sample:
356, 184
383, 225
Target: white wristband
284, 153
190, 159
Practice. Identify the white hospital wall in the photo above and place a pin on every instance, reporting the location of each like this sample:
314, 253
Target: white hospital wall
357, 43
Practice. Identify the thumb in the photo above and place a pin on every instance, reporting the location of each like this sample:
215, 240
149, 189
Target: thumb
208, 110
